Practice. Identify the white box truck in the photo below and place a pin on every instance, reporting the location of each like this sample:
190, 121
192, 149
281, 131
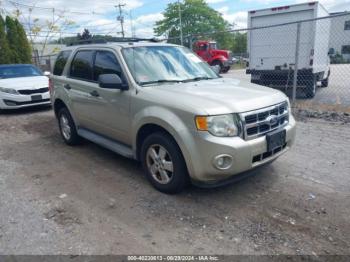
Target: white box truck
272, 49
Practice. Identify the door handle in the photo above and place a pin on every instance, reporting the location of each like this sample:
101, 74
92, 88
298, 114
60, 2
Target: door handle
67, 86
94, 93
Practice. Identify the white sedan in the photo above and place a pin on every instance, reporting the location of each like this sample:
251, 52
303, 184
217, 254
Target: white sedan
23, 86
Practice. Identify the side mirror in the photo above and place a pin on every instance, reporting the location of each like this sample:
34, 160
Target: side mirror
216, 69
47, 73
111, 81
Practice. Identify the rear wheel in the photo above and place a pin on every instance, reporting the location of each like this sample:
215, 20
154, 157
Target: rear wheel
325, 82
164, 164
311, 87
67, 127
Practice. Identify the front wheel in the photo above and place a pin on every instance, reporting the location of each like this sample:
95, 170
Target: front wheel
164, 164
226, 69
218, 63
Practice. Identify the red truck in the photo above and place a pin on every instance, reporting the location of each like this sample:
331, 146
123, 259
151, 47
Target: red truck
209, 52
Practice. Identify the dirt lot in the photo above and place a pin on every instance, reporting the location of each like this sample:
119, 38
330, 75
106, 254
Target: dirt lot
56, 199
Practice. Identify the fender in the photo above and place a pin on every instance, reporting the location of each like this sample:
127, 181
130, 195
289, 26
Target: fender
220, 58
172, 123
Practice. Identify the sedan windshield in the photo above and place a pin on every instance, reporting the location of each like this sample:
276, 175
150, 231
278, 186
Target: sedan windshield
164, 64
19, 71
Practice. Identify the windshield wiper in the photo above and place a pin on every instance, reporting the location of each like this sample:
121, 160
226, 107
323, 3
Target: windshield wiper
160, 81
198, 78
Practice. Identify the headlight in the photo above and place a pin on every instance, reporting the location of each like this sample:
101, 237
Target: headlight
8, 90
221, 125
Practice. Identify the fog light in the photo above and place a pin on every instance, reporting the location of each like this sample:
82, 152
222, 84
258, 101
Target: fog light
223, 162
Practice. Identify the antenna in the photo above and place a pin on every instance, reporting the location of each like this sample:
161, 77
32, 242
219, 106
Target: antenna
120, 18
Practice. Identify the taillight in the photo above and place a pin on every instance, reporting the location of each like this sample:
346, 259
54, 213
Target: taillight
50, 86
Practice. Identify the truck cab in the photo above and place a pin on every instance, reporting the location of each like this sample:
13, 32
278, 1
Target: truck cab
209, 52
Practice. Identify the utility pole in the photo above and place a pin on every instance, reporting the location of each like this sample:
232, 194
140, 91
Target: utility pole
132, 24
180, 17
120, 18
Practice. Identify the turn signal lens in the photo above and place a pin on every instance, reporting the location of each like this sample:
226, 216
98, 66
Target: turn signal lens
201, 123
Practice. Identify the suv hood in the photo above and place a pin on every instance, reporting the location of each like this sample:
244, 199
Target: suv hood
218, 96
21, 83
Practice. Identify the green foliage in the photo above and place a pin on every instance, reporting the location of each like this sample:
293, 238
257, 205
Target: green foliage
13, 39
14, 45
5, 52
25, 50
239, 44
197, 18
85, 35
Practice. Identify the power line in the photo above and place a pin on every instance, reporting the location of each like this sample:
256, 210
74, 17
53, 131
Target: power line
51, 8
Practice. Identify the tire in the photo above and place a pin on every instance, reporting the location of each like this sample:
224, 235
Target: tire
311, 87
67, 128
164, 164
226, 69
325, 82
218, 63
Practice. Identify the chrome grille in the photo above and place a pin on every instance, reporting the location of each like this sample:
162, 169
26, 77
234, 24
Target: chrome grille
33, 91
259, 122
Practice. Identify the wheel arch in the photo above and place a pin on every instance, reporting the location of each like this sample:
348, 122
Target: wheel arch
162, 120
58, 105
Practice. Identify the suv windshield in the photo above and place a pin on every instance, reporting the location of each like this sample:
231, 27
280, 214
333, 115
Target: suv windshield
162, 64
19, 71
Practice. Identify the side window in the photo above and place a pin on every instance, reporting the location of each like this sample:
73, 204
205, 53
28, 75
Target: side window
82, 64
61, 62
345, 49
347, 25
106, 63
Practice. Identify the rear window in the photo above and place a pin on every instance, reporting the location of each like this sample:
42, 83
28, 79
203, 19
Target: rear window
82, 65
61, 62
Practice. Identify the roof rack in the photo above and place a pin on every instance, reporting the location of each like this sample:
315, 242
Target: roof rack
87, 42
114, 40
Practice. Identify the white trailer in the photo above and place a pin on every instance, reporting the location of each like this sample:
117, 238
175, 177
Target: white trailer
272, 49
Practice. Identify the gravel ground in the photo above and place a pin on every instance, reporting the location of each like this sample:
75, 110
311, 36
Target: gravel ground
56, 199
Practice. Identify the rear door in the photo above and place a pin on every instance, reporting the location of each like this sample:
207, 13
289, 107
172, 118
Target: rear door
81, 86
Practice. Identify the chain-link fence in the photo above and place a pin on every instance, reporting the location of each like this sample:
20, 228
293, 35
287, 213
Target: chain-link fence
45, 63
309, 60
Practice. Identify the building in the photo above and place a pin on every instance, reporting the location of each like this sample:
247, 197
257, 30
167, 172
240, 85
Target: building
44, 57
340, 36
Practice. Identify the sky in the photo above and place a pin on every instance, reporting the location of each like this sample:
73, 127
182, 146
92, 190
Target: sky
100, 16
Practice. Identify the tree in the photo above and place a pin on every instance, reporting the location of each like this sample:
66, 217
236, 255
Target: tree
5, 52
45, 30
13, 40
85, 35
239, 43
23, 47
197, 19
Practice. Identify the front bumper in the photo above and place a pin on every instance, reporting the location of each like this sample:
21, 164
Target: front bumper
246, 155
9, 101
228, 63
